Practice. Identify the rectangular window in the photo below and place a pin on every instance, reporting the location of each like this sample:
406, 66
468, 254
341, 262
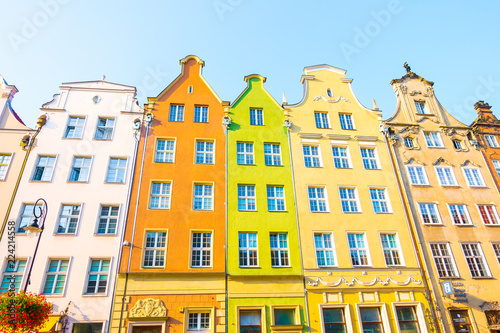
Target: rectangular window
321, 119
160, 196
244, 153
409, 143
198, 321
407, 319
176, 112
97, 280
323, 243
44, 168
496, 165
284, 316
27, 217
203, 197
80, 170
13, 273
358, 249
200, 114
446, 176
444, 260
371, 320
248, 251
55, 278
492, 141
496, 249
391, 249
421, 107
246, 197
87, 328
74, 129
250, 321
334, 320
457, 144
349, 200
461, 321
433, 139
369, 158
459, 214
104, 129
311, 156
201, 249
165, 150
204, 152
256, 117
340, 157
154, 249
279, 250
68, 219
429, 213
346, 121
417, 175
108, 219
116, 170
473, 176
276, 199
380, 200
475, 260
272, 154
317, 199
4, 165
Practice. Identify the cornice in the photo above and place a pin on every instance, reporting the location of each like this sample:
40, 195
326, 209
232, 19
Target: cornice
310, 135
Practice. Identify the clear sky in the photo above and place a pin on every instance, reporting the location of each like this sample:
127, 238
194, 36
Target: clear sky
139, 43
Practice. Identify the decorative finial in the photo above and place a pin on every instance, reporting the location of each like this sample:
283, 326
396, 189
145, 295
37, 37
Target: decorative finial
408, 68
103, 77
284, 99
375, 107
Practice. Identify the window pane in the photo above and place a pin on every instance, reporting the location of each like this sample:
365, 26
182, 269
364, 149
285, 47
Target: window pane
284, 316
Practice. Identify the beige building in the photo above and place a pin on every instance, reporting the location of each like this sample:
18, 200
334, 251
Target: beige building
453, 202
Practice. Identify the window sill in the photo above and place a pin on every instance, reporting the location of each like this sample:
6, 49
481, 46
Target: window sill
421, 185
247, 210
117, 183
483, 278
383, 213
348, 168
63, 138
348, 129
246, 164
433, 224
105, 235
78, 181
436, 147
463, 225
164, 162
95, 295
451, 186
40, 181
479, 187
202, 210
96, 139
319, 212
281, 266
450, 278
58, 235
272, 165
277, 211
373, 169
314, 167
249, 267
352, 212
492, 225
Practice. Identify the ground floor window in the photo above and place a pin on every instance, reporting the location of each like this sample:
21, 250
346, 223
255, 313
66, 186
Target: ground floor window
334, 320
407, 318
461, 321
284, 316
250, 321
146, 329
371, 320
89, 328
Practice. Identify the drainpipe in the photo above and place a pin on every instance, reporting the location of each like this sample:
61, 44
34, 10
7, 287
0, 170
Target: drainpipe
226, 121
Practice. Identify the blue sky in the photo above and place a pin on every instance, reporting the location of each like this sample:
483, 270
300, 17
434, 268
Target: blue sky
139, 43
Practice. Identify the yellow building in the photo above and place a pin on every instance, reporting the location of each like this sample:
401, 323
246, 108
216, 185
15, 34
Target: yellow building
453, 200
360, 267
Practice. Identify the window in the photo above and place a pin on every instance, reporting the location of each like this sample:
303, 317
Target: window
4, 165
80, 169
429, 213
204, 152
311, 156
496, 249
492, 141
409, 143
317, 199
461, 321
371, 320
246, 197
380, 201
421, 107
44, 168
56, 277
256, 117
107, 220
165, 150
321, 119
457, 144
198, 321
176, 112
279, 250
272, 154
358, 249
203, 197
98, 276
417, 175
433, 139
346, 121
446, 176
276, 199
116, 170
349, 200
334, 320
496, 165
369, 158
250, 321
160, 196
154, 249
391, 249
87, 328
443, 259
459, 214
27, 217
74, 129
201, 249
244, 153
68, 219
407, 319
284, 316
340, 157
473, 176
488, 214
200, 114
13, 273
323, 243
104, 129
475, 260
248, 255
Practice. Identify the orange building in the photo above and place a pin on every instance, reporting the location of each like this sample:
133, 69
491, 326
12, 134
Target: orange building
172, 269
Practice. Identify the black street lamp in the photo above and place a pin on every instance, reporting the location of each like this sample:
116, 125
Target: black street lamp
34, 229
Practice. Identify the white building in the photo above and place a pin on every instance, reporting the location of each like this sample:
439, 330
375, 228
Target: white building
82, 166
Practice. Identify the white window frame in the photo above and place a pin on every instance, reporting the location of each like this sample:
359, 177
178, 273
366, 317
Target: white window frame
246, 153
481, 256
117, 169
417, 176
14, 271
205, 153
440, 222
166, 153
317, 199
347, 315
164, 195
82, 126
157, 251
325, 249
495, 218
109, 220
365, 248
256, 117
370, 159
384, 318
178, 112
4, 166
273, 197
69, 218
73, 167
433, 140
496, 165
408, 140
350, 200
273, 156
248, 249
385, 200
199, 313
496, 250
321, 119
56, 274
421, 107
396, 249
108, 131
261, 309
203, 111
449, 256
281, 251
203, 197
248, 199
447, 179
421, 321
476, 179
467, 221
340, 158
492, 141
99, 273
349, 119
45, 167
313, 158
201, 250
29, 218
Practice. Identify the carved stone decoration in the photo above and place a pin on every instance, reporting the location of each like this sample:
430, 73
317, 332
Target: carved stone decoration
430, 91
336, 100
450, 131
403, 88
412, 129
412, 160
487, 306
148, 307
441, 160
493, 317
469, 162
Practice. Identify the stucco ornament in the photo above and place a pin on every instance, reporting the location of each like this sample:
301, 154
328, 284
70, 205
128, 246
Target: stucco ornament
148, 307
366, 284
336, 100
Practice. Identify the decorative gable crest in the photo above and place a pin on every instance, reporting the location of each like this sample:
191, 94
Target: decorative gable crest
148, 308
414, 160
441, 161
412, 129
336, 100
469, 162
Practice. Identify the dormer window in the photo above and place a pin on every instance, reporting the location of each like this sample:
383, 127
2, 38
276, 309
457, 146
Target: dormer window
421, 107
329, 92
457, 144
409, 143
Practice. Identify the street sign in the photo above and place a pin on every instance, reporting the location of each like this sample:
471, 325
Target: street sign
448, 289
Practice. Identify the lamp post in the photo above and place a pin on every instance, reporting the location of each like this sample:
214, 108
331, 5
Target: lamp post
33, 229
